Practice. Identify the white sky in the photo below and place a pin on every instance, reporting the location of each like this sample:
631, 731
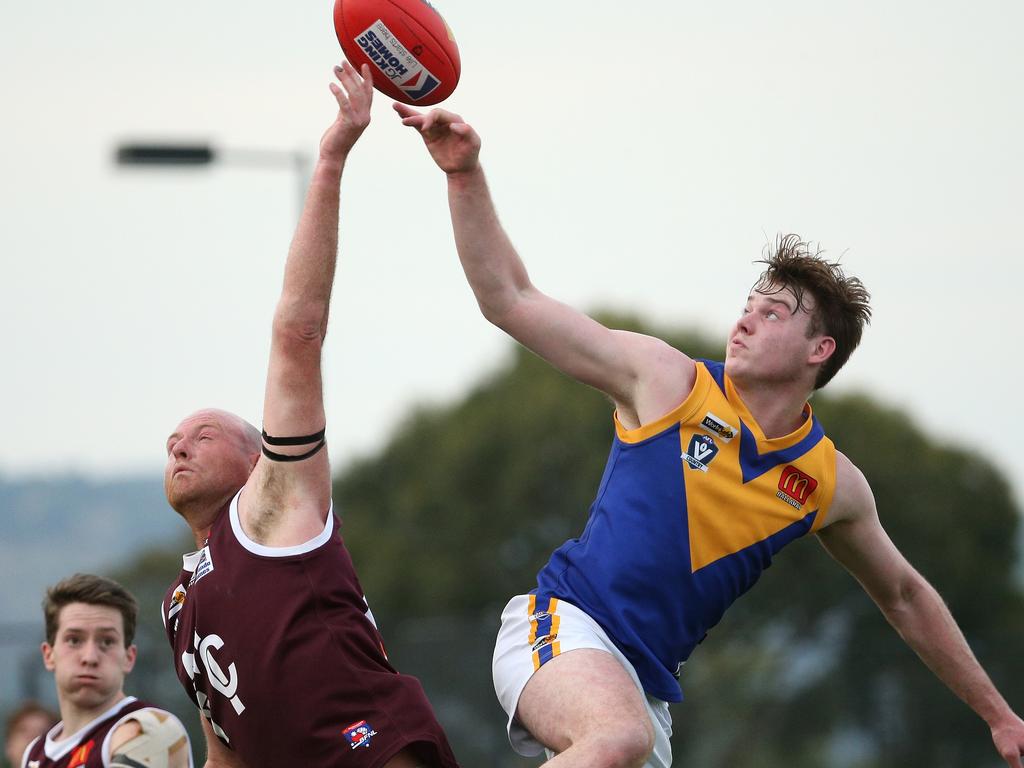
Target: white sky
639, 154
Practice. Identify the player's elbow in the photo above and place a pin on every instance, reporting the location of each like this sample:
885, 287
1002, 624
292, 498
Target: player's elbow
494, 312
905, 594
510, 309
299, 326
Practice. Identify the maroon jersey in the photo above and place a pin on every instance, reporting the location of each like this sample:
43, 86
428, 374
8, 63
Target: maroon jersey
277, 648
89, 748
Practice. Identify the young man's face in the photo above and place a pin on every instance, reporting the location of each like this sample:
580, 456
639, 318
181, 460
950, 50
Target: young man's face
88, 656
769, 343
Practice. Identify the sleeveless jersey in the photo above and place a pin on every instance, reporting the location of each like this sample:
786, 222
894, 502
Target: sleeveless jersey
89, 748
278, 649
690, 510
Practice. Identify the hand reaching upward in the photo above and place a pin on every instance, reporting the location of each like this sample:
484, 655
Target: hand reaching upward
354, 97
453, 143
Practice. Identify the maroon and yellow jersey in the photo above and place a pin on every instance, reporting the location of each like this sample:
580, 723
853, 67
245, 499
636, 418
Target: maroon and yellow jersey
278, 649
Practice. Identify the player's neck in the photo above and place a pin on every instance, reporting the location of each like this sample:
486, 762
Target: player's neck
201, 515
777, 409
74, 718
201, 522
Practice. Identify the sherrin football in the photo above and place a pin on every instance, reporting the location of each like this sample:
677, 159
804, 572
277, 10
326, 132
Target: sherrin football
409, 47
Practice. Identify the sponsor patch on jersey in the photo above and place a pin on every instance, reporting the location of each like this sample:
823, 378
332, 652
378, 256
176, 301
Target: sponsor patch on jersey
359, 734
795, 487
81, 754
718, 426
33, 764
701, 452
204, 567
397, 63
177, 600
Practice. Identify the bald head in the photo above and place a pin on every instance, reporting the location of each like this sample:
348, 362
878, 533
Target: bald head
247, 436
210, 455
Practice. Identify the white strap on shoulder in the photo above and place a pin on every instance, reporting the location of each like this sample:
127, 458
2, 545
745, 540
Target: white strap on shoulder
163, 742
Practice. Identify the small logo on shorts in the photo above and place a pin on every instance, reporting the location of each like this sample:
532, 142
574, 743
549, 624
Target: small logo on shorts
359, 734
545, 640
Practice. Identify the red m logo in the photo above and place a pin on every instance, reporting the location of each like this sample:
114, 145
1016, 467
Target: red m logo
796, 484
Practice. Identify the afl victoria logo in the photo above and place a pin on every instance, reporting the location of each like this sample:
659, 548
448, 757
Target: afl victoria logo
700, 453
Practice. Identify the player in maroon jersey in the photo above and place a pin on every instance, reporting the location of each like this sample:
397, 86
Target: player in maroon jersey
272, 637
90, 624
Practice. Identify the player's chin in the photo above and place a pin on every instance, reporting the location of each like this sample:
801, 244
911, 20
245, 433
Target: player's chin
180, 492
91, 694
738, 371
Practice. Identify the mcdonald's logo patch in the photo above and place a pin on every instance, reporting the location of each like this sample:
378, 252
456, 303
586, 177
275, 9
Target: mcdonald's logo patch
795, 487
81, 754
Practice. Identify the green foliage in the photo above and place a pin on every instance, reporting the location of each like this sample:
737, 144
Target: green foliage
468, 501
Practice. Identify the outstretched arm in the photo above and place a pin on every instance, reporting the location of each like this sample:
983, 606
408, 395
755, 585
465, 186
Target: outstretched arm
857, 540
286, 501
643, 375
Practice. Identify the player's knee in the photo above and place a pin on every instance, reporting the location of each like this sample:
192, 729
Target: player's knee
625, 748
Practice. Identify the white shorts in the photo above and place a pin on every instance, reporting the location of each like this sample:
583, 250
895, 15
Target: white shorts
529, 636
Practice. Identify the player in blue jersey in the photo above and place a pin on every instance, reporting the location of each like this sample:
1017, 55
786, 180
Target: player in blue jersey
660, 561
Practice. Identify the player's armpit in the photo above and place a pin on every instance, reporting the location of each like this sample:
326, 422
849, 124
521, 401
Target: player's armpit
161, 743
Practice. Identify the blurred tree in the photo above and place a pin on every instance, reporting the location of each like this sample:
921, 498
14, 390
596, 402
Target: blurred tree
467, 501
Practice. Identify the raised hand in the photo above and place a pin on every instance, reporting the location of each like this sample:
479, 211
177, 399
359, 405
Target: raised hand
354, 97
1009, 741
451, 141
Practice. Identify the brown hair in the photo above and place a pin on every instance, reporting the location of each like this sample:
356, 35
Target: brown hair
840, 308
91, 590
27, 709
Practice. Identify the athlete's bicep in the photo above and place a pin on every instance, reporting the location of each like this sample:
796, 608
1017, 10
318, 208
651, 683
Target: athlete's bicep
622, 364
858, 541
288, 494
293, 399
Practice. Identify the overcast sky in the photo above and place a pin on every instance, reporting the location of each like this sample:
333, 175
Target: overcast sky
640, 155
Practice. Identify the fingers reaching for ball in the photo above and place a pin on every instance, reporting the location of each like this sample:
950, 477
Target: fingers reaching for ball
451, 141
354, 94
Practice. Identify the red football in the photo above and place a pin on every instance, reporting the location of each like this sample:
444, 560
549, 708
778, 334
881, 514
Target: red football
411, 51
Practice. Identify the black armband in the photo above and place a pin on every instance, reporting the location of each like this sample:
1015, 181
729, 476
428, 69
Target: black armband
316, 437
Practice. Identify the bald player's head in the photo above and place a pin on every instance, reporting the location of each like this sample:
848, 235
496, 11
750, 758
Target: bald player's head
209, 457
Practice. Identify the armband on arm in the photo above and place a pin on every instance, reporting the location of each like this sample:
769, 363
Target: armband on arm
316, 437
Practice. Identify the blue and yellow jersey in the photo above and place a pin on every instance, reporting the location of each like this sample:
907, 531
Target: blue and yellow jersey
690, 510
